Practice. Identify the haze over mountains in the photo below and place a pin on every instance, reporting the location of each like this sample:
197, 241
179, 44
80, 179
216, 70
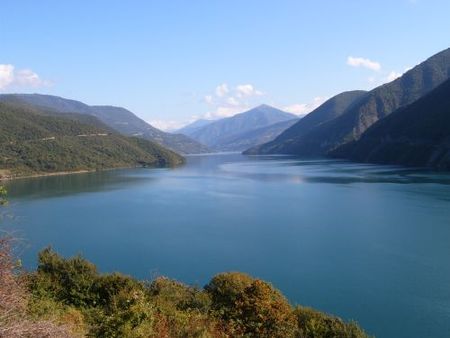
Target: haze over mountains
346, 117
328, 111
193, 127
242, 130
117, 118
351, 125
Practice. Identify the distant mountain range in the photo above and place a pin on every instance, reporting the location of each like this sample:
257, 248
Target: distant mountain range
193, 127
117, 118
287, 141
374, 105
240, 141
405, 121
242, 130
417, 135
38, 141
344, 119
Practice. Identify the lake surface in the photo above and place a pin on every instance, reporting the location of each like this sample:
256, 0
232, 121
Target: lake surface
365, 242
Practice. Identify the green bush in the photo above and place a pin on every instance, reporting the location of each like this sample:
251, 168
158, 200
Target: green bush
70, 281
314, 324
251, 307
232, 304
3, 193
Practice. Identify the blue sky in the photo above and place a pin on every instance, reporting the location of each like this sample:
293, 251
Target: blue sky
173, 61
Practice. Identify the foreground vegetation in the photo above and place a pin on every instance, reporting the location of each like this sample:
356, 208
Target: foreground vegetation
70, 298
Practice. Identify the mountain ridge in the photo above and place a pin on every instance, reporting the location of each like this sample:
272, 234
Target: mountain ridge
118, 118
193, 126
330, 109
414, 135
34, 142
377, 104
215, 134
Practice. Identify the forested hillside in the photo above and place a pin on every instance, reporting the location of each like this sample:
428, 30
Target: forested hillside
116, 118
371, 107
32, 142
416, 135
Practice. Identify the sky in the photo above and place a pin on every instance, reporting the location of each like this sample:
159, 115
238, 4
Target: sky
174, 61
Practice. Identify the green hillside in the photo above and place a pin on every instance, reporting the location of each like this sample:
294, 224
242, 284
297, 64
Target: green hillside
119, 119
416, 135
32, 142
287, 141
373, 106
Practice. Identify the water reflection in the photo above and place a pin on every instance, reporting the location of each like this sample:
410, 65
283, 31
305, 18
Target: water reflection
58, 186
366, 242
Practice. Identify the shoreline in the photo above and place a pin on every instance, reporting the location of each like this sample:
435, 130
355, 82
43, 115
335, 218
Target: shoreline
5, 177
59, 173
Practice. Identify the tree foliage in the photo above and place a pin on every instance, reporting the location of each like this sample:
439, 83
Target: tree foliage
3, 194
231, 305
34, 142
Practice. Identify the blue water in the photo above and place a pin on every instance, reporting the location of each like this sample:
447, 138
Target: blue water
365, 242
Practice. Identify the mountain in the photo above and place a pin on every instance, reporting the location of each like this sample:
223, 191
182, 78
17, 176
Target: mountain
415, 135
254, 137
328, 111
120, 119
193, 127
33, 142
217, 134
375, 105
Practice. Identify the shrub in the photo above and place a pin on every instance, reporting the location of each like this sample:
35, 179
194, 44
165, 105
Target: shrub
314, 324
3, 192
70, 281
14, 299
232, 304
250, 306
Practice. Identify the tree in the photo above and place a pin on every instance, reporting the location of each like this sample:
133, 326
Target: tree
251, 307
3, 193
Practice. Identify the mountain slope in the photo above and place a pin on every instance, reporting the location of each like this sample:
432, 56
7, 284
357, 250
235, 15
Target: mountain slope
329, 110
375, 105
35, 143
193, 127
120, 119
216, 134
252, 138
416, 135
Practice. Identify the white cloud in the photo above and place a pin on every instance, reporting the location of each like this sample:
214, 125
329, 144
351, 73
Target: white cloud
6, 75
26, 77
362, 62
209, 99
393, 75
167, 125
232, 101
246, 90
10, 77
222, 90
297, 108
225, 111
227, 100
305, 108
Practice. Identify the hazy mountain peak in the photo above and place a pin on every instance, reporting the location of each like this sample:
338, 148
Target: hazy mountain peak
218, 134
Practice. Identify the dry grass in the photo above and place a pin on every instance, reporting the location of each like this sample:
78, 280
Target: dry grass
14, 319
